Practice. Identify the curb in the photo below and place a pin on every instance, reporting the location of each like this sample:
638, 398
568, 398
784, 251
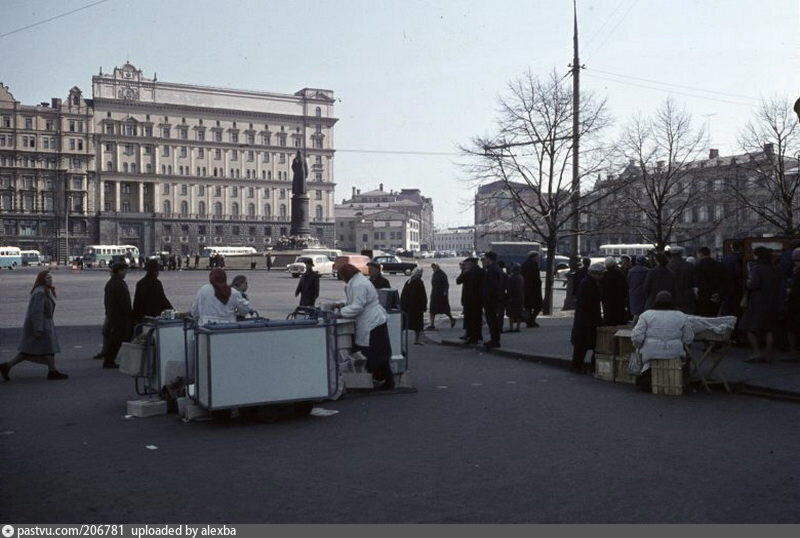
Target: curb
550, 360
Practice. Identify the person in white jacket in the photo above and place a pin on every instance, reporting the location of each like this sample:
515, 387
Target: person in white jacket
217, 302
661, 333
372, 333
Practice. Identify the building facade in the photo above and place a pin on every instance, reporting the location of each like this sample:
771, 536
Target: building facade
460, 239
47, 176
355, 220
180, 167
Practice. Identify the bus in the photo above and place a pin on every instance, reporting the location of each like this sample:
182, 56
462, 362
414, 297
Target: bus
101, 255
228, 251
630, 250
31, 257
10, 257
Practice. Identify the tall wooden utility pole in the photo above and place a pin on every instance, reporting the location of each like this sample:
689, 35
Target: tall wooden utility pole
576, 89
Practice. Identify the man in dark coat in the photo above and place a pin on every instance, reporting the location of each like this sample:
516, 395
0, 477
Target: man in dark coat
376, 276
118, 311
308, 287
683, 297
494, 290
440, 300
471, 280
710, 277
149, 298
533, 288
636, 294
414, 302
580, 274
587, 316
613, 293
659, 278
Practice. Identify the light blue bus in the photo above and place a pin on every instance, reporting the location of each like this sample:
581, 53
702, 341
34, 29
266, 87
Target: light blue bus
102, 255
10, 257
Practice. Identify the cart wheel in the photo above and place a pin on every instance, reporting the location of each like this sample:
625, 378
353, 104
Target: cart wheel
268, 414
303, 409
407, 272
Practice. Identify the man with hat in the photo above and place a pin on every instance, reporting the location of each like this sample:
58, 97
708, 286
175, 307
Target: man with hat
471, 281
494, 295
149, 298
308, 287
532, 282
683, 271
587, 316
118, 312
376, 276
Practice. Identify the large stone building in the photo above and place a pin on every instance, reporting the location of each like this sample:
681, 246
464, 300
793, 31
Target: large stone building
408, 205
181, 166
46, 174
163, 166
460, 239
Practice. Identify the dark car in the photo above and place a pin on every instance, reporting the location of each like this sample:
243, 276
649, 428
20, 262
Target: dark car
393, 264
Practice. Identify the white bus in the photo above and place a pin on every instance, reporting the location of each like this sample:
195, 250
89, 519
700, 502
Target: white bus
228, 251
31, 257
10, 257
630, 250
101, 255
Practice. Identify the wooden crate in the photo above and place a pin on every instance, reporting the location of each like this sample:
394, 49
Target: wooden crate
624, 344
605, 342
604, 367
621, 374
667, 376
710, 336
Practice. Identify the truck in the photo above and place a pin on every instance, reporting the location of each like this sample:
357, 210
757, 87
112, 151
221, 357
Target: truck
514, 251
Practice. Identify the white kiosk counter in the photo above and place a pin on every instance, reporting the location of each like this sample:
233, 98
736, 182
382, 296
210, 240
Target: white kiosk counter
254, 363
167, 345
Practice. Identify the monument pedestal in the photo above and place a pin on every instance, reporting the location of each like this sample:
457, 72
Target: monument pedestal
300, 225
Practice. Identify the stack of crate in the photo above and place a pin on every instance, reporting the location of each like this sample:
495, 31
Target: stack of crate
624, 349
606, 348
667, 376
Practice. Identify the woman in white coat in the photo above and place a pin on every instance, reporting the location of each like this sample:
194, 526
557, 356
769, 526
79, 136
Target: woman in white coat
372, 333
217, 302
660, 333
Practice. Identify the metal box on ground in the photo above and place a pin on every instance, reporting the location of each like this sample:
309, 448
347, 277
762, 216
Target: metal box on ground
358, 381
604, 367
147, 408
667, 376
621, 374
605, 342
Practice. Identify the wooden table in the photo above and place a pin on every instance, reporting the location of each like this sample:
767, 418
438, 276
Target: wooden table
716, 345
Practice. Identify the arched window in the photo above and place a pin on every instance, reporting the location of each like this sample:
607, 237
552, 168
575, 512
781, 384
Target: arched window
201, 208
217, 209
283, 211
167, 207
267, 210
263, 174
235, 209
319, 212
185, 208
269, 174
124, 167
251, 210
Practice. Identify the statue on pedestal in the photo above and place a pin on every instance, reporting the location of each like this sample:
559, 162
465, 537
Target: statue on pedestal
300, 224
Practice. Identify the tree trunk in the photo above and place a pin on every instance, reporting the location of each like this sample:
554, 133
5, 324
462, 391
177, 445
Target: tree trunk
547, 306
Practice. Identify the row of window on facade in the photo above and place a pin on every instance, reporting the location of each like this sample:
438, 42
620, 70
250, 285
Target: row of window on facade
32, 162
126, 207
73, 126
32, 202
127, 188
32, 228
31, 183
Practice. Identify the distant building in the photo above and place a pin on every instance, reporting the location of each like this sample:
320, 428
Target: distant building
460, 239
47, 180
355, 217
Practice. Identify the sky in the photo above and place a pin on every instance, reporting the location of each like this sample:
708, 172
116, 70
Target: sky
416, 77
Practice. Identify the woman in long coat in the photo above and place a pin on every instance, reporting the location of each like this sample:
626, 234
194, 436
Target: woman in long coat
440, 302
414, 302
515, 298
636, 294
587, 316
39, 341
760, 317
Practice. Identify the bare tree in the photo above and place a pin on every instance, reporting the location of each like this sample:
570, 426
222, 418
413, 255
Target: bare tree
660, 151
531, 154
772, 187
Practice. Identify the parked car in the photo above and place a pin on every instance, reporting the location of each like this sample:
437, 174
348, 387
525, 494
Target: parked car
322, 265
394, 265
354, 259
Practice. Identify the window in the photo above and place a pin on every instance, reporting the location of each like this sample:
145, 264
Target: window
71, 142
218, 212
217, 154
234, 155
235, 191
266, 139
217, 191
201, 134
282, 194
184, 151
201, 208
251, 192
217, 136
251, 156
235, 138
218, 230
282, 158
283, 211
318, 112
167, 210
266, 157
128, 148
318, 195
282, 140
184, 190
126, 188
165, 151
130, 130
148, 168
184, 133
318, 160
201, 153
184, 208
148, 131
148, 150
201, 190
268, 213
317, 143
235, 230
319, 212
235, 209
165, 189
251, 212
165, 132
126, 206
76, 163
298, 142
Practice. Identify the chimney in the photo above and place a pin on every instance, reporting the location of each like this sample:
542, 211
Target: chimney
56, 102
713, 154
381, 187
358, 191
354, 191
768, 149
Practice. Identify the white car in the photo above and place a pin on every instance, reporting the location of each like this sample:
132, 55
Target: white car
322, 265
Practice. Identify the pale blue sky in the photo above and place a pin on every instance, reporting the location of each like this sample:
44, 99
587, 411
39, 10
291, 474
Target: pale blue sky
417, 75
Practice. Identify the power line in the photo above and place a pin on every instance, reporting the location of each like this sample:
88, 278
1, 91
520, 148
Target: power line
599, 30
611, 32
54, 18
675, 85
669, 91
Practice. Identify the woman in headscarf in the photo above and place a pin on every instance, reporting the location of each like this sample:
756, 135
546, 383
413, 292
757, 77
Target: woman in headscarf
217, 302
39, 341
414, 302
372, 333
440, 302
515, 294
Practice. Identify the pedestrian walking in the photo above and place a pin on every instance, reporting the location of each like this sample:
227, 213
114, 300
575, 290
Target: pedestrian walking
440, 300
376, 276
532, 279
793, 307
149, 298
414, 302
308, 287
39, 342
580, 274
636, 294
471, 281
762, 304
613, 294
178, 261
515, 298
494, 291
587, 317
120, 316
196, 260
710, 278
683, 294
269, 261
659, 278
